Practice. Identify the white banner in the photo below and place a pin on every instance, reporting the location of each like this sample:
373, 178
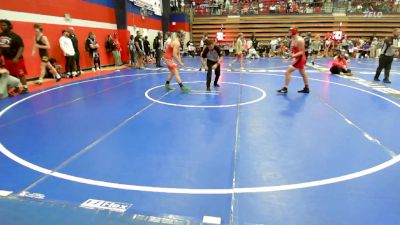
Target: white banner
152, 5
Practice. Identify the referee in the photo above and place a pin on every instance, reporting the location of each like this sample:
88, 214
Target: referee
389, 49
211, 59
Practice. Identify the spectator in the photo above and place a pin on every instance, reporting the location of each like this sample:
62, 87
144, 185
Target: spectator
351, 48
345, 44
12, 48
56, 66
254, 41
374, 47
77, 55
117, 51
146, 45
191, 48
274, 47
327, 47
158, 47
132, 51
203, 39
68, 49
315, 48
92, 47
109, 44
307, 44
139, 49
365, 50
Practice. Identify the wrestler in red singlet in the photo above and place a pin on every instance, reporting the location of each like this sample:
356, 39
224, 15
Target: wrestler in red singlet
172, 52
298, 53
300, 61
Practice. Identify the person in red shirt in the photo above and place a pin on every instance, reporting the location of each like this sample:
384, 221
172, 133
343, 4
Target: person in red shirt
340, 65
117, 51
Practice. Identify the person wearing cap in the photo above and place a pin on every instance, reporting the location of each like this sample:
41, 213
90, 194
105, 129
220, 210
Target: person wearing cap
211, 58
298, 53
389, 49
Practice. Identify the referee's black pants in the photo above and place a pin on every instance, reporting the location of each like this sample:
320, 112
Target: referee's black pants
210, 64
385, 62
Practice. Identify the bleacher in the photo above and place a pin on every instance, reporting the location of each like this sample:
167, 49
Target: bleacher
265, 7
259, 7
271, 25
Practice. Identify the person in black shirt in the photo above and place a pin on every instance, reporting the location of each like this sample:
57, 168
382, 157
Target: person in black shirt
139, 49
12, 48
74, 40
146, 45
254, 41
191, 48
158, 47
41, 43
132, 51
56, 66
211, 59
110, 45
386, 58
92, 47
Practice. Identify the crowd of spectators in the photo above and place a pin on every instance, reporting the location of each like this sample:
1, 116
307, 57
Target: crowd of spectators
262, 7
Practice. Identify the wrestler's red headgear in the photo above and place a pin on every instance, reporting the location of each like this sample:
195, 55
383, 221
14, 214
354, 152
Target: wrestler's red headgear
293, 31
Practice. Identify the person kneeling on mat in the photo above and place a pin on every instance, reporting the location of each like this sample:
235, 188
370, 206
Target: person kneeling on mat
214, 58
340, 65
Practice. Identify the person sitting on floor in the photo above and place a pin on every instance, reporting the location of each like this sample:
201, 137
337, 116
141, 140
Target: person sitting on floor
55, 65
7, 81
340, 65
